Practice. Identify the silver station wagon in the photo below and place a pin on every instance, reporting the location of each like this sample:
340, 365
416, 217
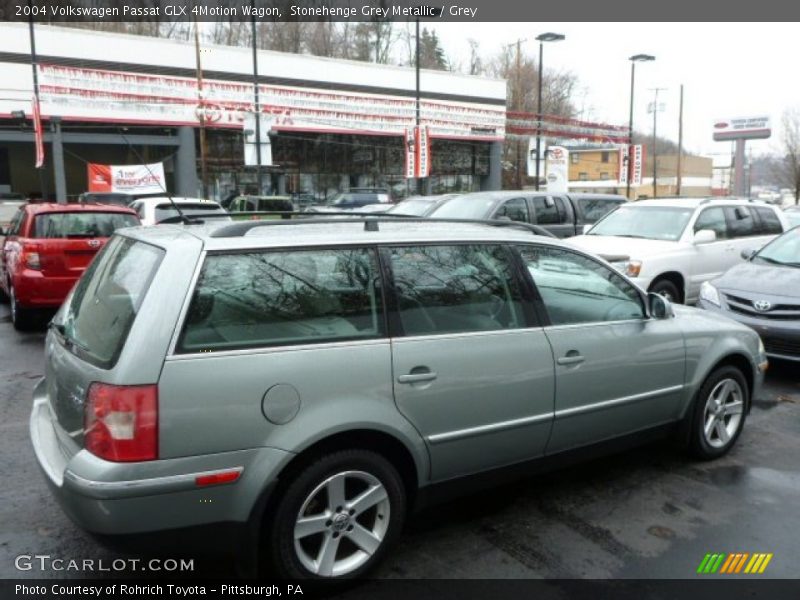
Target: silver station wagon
301, 386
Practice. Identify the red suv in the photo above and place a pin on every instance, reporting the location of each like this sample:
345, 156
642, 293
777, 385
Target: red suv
46, 249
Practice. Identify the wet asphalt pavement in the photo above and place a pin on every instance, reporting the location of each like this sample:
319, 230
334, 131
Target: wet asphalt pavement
645, 513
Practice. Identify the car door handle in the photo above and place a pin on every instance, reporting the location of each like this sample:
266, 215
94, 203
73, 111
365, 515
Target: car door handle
417, 377
572, 358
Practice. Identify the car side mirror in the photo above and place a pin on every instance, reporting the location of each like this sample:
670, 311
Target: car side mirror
705, 236
748, 253
660, 307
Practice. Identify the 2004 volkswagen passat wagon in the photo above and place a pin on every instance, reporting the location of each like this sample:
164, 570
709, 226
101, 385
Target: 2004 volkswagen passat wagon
313, 381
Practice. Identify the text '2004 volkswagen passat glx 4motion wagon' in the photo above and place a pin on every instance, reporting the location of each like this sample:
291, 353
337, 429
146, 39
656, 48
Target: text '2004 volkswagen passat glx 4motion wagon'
313, 381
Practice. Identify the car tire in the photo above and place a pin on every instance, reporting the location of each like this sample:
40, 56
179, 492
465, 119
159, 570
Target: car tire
21, 318
719, 413
345, 532
667, 289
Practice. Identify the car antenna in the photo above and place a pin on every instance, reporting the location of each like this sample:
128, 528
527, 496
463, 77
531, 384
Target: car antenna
184, 219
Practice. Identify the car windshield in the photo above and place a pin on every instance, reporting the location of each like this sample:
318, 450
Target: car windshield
165, 211
81, 224
414, 208
350, 199
465, 207
784, 250
119, 199
648, 222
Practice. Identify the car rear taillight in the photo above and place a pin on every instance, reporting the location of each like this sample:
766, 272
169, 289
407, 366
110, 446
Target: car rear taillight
121, 422
31, 259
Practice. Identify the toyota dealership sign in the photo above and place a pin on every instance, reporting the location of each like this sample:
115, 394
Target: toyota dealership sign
742, 128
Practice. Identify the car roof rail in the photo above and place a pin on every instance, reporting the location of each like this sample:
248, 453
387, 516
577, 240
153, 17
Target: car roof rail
371, 221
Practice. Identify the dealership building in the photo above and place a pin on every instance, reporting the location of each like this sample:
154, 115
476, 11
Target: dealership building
333, 124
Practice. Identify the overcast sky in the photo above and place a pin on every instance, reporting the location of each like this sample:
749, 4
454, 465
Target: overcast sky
727, 69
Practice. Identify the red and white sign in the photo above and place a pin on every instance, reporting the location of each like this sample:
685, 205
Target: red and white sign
557, 169
636, 154
37, 134
742, 128
418, 153
622, 167
131, 179
411, 154
111, 96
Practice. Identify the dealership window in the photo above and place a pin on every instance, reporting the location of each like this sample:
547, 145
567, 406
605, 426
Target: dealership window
575, 158
605, 156
583, 177
604, 176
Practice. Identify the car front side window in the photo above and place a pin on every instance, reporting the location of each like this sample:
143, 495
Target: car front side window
576, 289
515, 209
713, 219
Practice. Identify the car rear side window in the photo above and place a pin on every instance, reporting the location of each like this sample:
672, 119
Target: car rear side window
515, 209
81, 224
278, 298
741, 221
99, 314
455, 289
770, 223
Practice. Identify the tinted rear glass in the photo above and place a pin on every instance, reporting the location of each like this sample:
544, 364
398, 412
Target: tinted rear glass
595, 208
81, 224
105, 302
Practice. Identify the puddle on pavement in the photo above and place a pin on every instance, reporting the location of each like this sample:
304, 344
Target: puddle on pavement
737, 474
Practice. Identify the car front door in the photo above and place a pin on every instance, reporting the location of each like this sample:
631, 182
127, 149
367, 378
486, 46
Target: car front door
515, 209
710, 260
552, 213
617, 371
472, 371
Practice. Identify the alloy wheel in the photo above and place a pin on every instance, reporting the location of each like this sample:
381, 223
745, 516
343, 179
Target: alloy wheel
341, 523
723, 413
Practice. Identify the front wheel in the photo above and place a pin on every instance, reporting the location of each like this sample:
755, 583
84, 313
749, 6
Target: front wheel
719, 413
667, 289
337, 517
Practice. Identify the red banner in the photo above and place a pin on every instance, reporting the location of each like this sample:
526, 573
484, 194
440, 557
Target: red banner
128, 179
99, 177
37, 134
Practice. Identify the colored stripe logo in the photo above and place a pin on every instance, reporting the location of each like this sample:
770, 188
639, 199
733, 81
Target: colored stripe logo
734, 563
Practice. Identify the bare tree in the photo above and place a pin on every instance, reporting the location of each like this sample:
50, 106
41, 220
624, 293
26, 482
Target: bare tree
789, 167
475, 62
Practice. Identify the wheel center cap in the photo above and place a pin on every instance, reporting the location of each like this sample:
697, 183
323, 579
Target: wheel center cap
340, 521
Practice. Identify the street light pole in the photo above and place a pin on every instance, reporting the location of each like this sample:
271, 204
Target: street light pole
634, 59
419, 186
255, 97
544, 37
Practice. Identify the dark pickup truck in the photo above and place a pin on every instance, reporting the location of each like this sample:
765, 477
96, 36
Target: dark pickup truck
564, 215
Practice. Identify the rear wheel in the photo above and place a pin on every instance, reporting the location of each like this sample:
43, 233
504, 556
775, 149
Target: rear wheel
21, 318
337, 517
667, 289
719, 413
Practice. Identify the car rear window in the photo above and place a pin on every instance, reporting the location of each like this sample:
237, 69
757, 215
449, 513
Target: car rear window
256, 299
596, 208
165, 211
81, 224
98, 316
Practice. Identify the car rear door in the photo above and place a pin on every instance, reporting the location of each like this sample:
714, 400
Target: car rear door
617, 371
555, 214
472, 371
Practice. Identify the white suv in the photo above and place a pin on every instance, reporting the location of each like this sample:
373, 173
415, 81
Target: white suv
671, 246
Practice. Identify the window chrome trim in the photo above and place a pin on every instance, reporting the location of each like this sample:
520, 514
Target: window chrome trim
596, 323
462, 334
272, 349
458, 434
577, 410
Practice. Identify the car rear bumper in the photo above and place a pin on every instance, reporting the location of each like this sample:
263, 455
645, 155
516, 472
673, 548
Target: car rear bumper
781, 338
135, 498
34, 289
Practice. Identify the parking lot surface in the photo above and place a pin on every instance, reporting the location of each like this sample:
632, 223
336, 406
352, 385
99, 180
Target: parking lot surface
649, 512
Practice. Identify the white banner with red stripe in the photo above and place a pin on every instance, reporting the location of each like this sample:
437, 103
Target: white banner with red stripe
131, 179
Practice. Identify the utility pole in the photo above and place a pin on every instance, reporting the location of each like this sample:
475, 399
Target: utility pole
256, 102
655, 152
201, 112
678, 175
37, 111
420, 180
518, 104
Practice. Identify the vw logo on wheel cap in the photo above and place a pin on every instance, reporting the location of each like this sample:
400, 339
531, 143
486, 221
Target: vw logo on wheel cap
762, 305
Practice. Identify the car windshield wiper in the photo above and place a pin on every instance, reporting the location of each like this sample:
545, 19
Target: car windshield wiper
772, 261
